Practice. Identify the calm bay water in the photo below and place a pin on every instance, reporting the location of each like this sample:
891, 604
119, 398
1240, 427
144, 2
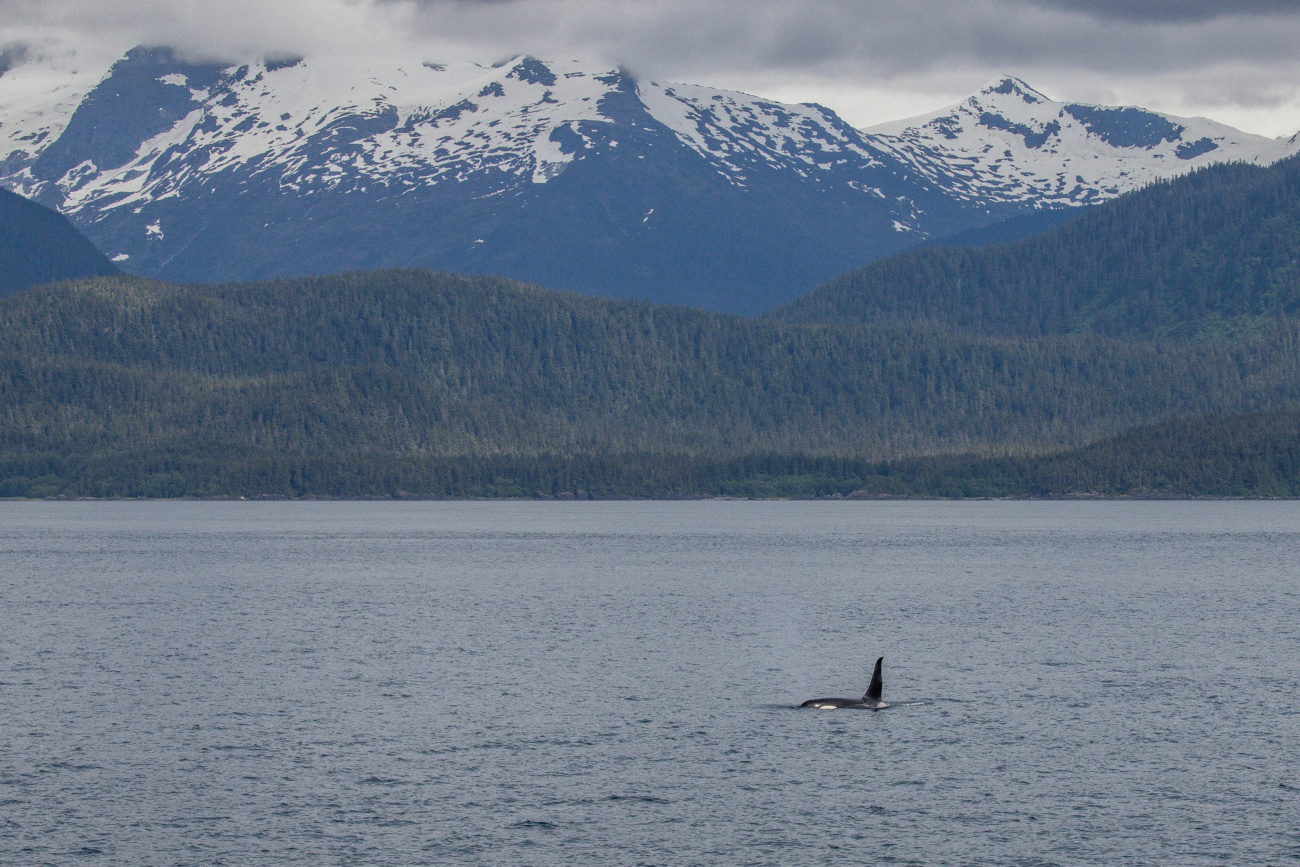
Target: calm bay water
614, 683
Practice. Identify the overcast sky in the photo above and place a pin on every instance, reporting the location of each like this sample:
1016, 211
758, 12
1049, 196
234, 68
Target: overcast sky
870, 60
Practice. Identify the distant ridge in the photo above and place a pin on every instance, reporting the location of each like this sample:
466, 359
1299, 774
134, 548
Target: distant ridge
38, 245
1212, 253
1011, 229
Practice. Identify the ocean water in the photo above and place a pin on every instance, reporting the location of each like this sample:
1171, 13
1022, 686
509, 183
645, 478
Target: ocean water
615, 683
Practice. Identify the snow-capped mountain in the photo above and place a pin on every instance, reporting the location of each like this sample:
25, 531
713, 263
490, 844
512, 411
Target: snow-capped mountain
524, 122
1010, 143
565, 174
559, 173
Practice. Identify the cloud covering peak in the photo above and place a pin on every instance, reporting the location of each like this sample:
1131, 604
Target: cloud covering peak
869, 59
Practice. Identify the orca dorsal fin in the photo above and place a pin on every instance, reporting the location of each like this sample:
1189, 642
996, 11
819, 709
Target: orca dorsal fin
877, 684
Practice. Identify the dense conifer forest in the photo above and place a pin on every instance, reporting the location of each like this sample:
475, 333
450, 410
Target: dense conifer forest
1253, 455
416, 383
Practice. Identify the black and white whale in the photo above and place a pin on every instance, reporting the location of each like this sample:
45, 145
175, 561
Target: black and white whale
870, 701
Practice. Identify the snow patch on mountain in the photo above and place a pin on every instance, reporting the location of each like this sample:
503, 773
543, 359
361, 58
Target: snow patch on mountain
739, 131
36, 102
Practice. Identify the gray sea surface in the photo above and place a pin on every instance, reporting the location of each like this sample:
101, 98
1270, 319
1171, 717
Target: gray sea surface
524, 683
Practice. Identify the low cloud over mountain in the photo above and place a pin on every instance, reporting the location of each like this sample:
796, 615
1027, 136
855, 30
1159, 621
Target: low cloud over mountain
1234, 61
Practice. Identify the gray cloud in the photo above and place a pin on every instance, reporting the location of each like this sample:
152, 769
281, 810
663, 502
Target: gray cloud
879, 38
1194, 55
13, 54
1175, 11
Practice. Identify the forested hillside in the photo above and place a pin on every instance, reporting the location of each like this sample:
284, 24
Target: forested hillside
1251, 455
107, 384
38, 245
1216, 252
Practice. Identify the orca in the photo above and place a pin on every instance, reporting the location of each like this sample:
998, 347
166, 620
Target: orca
870, 701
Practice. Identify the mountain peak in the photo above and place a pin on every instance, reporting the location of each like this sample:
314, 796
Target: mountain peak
1009, 143
1009, 85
